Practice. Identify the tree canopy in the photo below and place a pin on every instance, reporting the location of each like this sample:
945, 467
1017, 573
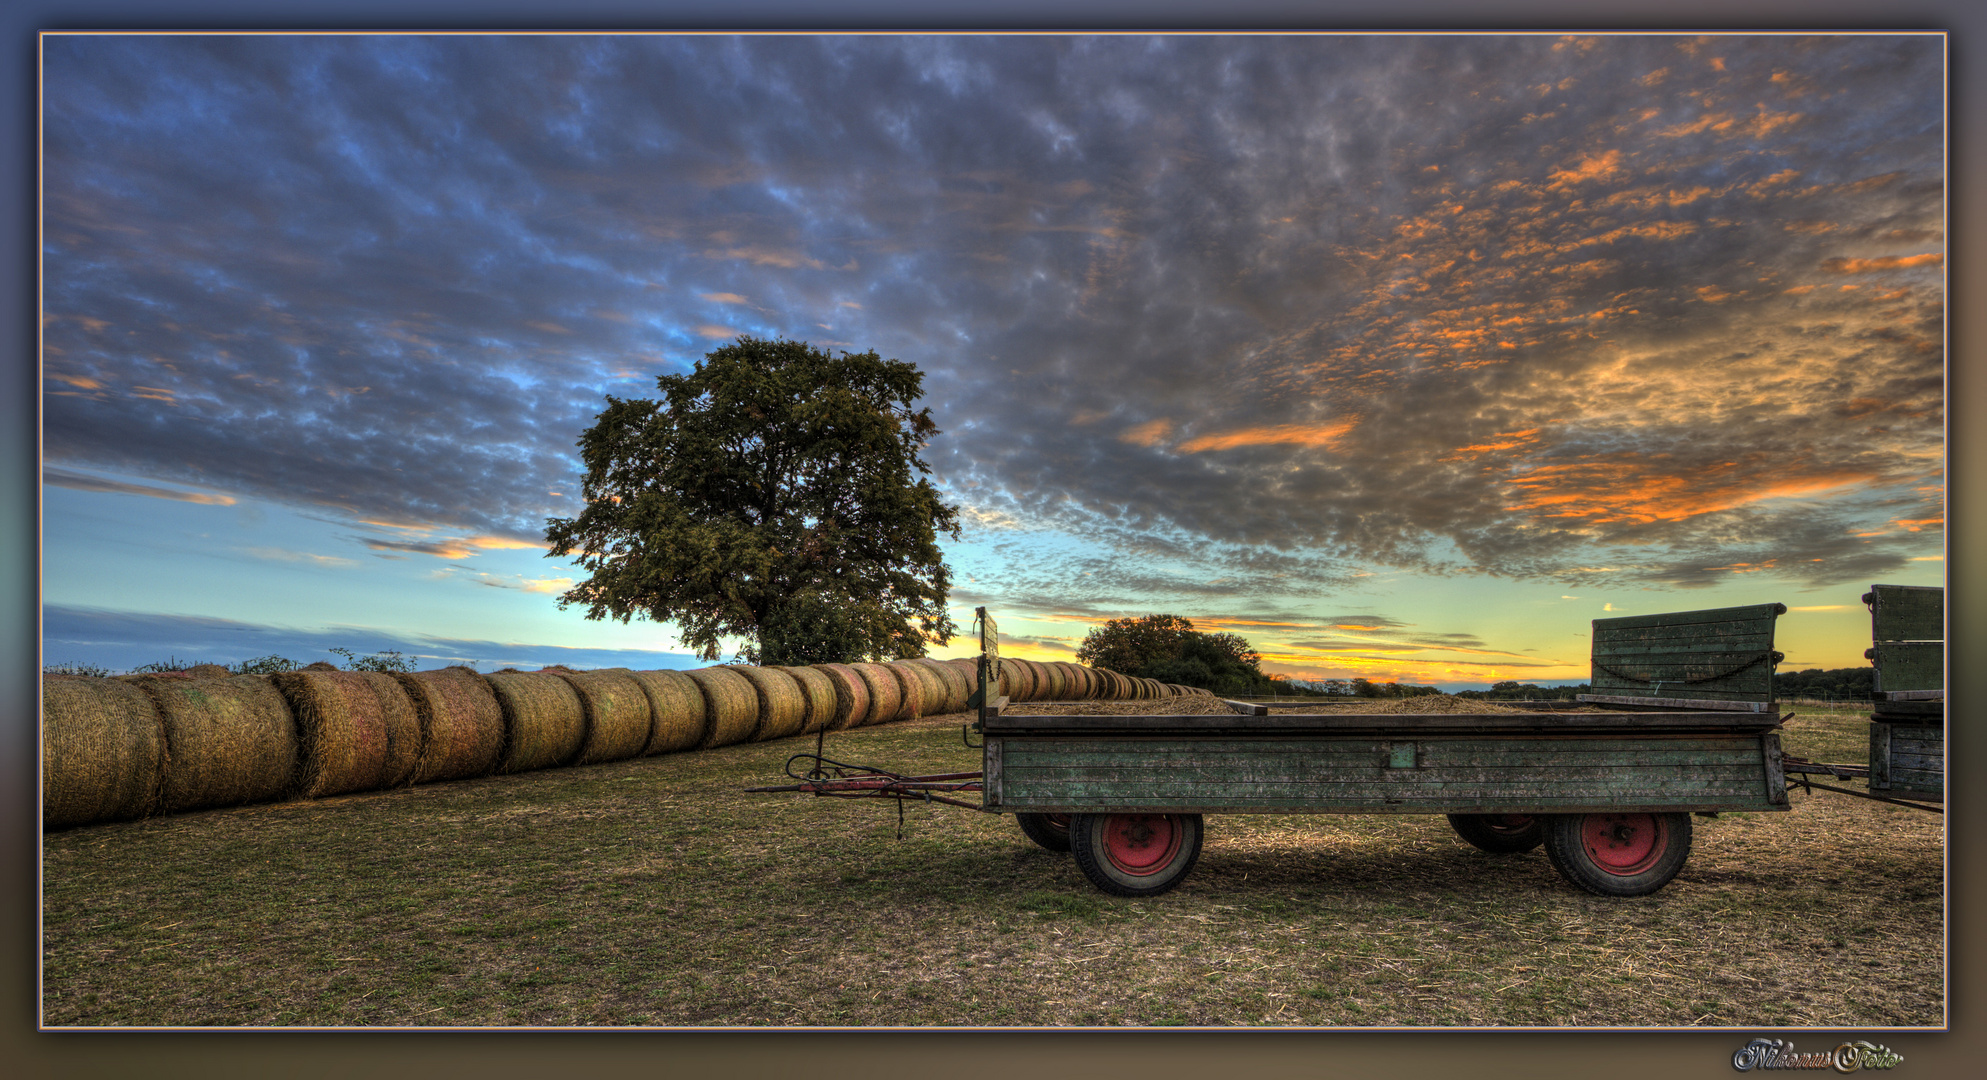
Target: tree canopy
1168, 648
774, 494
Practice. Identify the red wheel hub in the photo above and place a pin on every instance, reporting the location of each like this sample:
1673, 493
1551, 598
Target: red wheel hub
1141, 844
1623, 844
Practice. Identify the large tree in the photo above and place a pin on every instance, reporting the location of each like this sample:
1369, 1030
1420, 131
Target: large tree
1168, 648
775, 495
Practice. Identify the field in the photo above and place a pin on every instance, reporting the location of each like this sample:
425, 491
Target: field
657, 892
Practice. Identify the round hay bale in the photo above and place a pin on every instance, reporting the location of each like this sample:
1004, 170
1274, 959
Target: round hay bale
922, 687
341, 732
207, 671
617, 714
969, 669
229, 742
1017, 679
403, 725
1094, 683
730, 703
1058, 679
544, 721
1045, 682
886, 694
103, 750
910, 690
325, 665
676, 711
818, 691
1072, 679
851, 695
1112, 684
462, 726
954, 680
782, 707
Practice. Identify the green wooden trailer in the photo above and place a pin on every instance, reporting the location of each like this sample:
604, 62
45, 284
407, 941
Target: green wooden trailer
1685, 724
1689, 728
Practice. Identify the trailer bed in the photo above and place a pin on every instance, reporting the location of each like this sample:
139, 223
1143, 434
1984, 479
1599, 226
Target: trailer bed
1366, 763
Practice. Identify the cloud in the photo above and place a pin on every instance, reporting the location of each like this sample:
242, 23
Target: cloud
82, 482
286, 555
121, 640
1585, 315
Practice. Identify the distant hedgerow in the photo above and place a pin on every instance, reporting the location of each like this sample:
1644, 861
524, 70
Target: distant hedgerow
388, 660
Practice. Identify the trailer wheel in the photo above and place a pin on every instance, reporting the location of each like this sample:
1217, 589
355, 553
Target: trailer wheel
1049, 830
1618, 854
1135, 854
1500, 834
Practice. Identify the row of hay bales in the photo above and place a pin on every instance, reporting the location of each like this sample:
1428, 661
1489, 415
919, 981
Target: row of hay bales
131, 746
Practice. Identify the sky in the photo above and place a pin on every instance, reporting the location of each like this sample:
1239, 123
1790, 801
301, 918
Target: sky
1403, 356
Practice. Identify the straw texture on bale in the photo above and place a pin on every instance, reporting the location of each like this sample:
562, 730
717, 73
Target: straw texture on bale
102, 749
462, 726
1115, 686
341, 732
970, 669
617, 714
544, 722
782, 707
817, 690
920, 680
207, 671
730, 703
677, 718
851, 695
910, 688
403, 727
954, 680
886, 694
229, 741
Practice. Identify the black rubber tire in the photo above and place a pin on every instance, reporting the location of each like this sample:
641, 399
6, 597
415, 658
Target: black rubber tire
1049, 830
1604, 853
1500, 834
1126, 871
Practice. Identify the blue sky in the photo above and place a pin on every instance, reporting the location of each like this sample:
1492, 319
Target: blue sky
1404, 356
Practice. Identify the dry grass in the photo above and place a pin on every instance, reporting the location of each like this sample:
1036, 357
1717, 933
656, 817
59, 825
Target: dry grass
656, 892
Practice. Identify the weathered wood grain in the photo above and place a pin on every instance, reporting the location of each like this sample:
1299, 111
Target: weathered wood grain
1906, 613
